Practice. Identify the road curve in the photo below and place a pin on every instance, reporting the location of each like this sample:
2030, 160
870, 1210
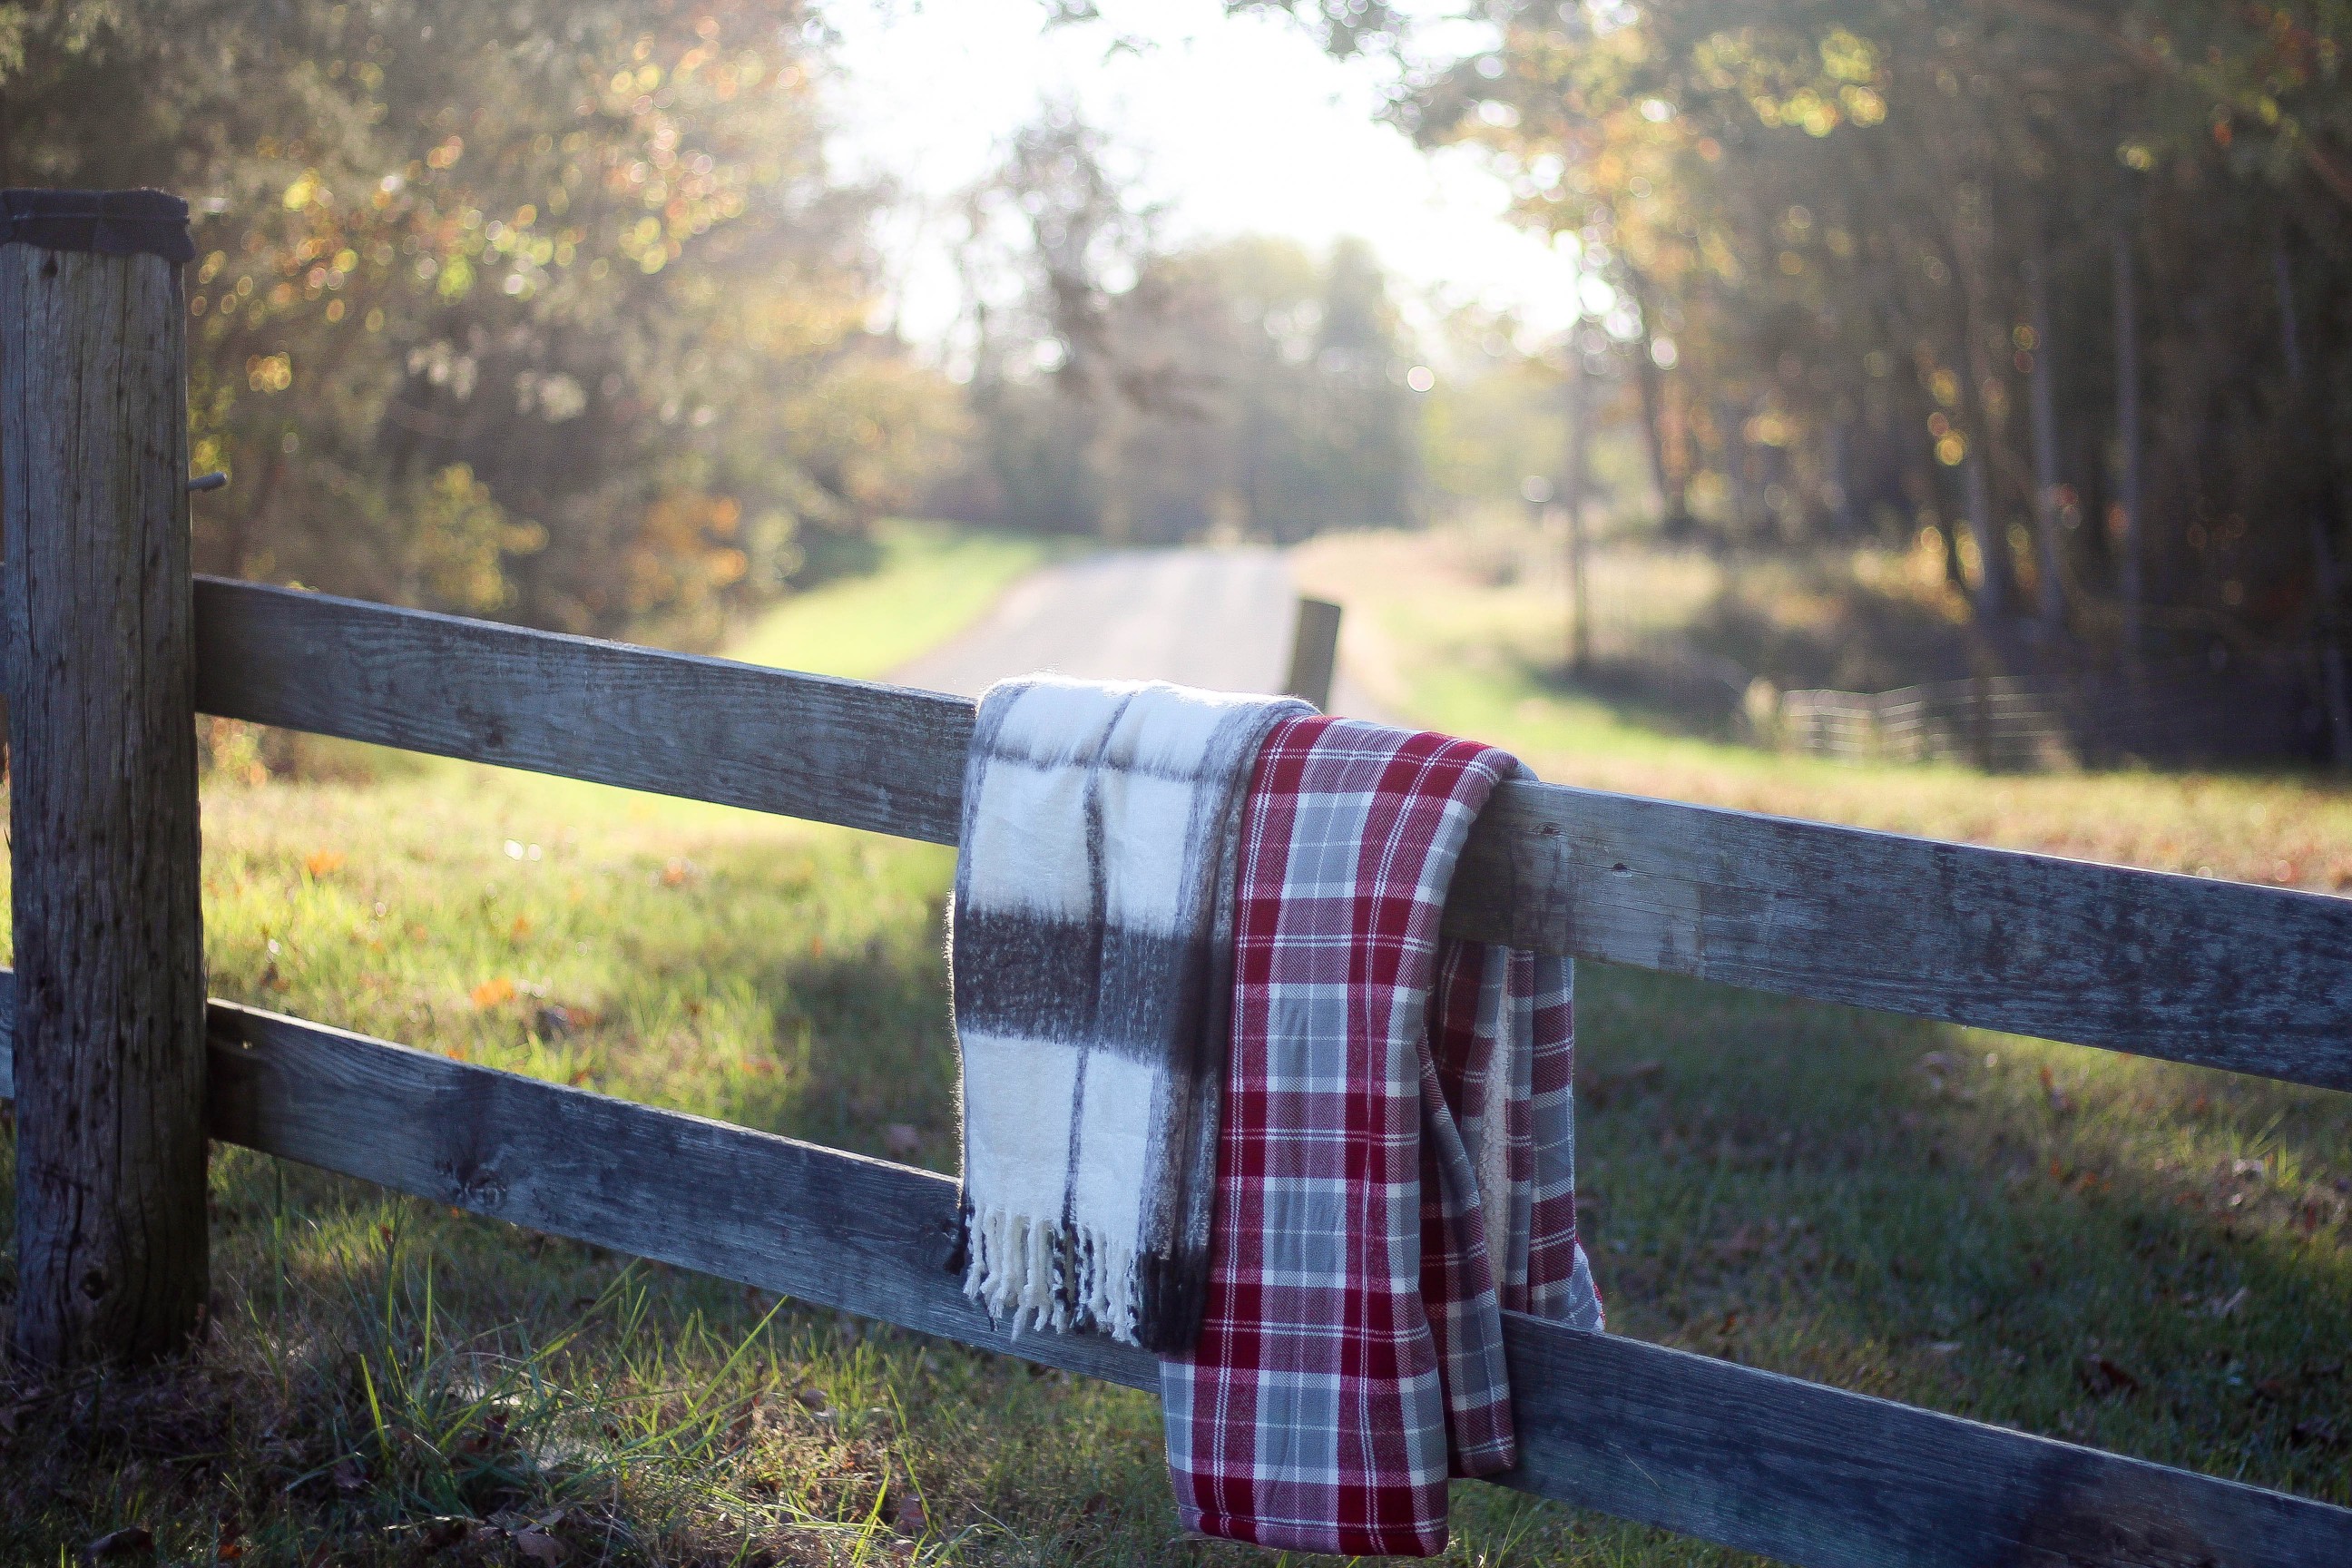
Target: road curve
1215, 618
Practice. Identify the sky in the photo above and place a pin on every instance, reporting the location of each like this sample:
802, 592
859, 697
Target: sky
1241, 125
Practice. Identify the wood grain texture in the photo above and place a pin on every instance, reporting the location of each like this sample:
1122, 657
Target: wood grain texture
2257, 980
102, 805
2253, 979
1811, 1475
846, 752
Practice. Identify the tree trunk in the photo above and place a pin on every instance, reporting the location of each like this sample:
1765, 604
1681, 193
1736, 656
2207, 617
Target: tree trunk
2043, 396
1580, 457
110, 1066
1649, 378
2127, 445
1734, 431
1842, 513
1992, 559
2323, 554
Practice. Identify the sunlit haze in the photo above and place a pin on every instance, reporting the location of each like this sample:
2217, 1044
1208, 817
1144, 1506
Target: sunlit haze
1241, 125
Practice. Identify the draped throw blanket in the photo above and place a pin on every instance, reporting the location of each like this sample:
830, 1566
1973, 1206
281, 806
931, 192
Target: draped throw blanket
1091, 947
1397, 1162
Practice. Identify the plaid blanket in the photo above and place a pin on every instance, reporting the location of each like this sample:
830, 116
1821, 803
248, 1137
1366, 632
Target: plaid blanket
1091, 952
1397, 1162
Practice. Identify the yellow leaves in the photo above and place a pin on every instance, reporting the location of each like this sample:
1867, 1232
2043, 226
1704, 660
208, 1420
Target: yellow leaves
269, 373
1848, 58
447, 153
302, 191
323, 862
493, 993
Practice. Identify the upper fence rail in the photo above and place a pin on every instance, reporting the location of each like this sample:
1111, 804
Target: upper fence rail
2256, 980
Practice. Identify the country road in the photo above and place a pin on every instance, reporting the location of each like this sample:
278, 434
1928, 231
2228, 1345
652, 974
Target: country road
1215, 618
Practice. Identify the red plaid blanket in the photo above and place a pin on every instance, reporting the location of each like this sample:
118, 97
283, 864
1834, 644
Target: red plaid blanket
1395, 1168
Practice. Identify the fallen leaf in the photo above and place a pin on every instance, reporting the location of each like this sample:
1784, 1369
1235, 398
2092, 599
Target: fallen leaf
676, 874
323, 862
348, 1474
1944, 1347
2227, 1306
2318, 1432
442, 1533
130, 1541
814, 1397
2103, 1377
493, 993
538, 1545
520, 929
899, 1138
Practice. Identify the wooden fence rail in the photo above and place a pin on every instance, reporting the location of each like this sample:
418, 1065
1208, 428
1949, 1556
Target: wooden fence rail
2254, 979
2246, 978
1813, 1475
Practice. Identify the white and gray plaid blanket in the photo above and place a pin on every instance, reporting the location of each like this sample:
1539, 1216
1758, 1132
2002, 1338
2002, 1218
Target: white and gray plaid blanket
1091, 951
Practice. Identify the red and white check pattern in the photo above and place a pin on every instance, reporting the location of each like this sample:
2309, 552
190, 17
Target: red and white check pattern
1351, 1356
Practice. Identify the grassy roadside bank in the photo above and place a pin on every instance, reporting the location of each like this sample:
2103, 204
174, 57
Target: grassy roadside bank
1979, 1223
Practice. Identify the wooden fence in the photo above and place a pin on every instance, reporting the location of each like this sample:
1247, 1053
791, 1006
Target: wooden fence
2251, 979
2181, 712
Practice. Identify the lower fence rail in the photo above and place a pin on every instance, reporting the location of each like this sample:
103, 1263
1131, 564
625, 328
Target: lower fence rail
1813, 1475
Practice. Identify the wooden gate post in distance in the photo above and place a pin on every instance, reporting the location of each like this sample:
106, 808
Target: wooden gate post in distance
1314, 652
110, 1040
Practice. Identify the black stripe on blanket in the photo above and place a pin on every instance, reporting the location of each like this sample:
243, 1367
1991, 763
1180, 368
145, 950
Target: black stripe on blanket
1104, 987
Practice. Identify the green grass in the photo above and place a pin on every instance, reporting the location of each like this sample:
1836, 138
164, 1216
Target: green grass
1953, 1218
933, 580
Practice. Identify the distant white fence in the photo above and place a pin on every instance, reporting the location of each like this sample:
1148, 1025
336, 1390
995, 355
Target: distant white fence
2181, 712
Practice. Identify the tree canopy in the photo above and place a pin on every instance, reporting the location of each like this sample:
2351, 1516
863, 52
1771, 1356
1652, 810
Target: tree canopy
2054, 279
548, 310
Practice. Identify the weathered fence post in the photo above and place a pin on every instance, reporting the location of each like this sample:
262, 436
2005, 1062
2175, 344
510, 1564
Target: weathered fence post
109, 1039
1314, 652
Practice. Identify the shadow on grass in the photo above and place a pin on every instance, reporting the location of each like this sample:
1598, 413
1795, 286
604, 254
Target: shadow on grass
2146, 1257
2142, 1255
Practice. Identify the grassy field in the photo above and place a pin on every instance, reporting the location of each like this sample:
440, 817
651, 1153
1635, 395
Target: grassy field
2149, 1258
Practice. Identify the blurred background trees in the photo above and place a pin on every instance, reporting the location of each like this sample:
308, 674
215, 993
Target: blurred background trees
561, 312
552, 312
1151, 393
2057, 286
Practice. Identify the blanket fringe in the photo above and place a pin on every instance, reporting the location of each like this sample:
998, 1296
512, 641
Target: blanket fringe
1041, 1274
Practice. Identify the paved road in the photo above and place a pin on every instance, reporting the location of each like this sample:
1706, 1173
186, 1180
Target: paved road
1215, 618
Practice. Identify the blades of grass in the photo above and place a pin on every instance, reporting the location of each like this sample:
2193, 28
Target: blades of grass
736, 1354
375, 1408
870, 1527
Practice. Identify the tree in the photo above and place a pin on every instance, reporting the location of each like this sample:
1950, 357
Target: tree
1138, 392
547, 311
1879, 239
